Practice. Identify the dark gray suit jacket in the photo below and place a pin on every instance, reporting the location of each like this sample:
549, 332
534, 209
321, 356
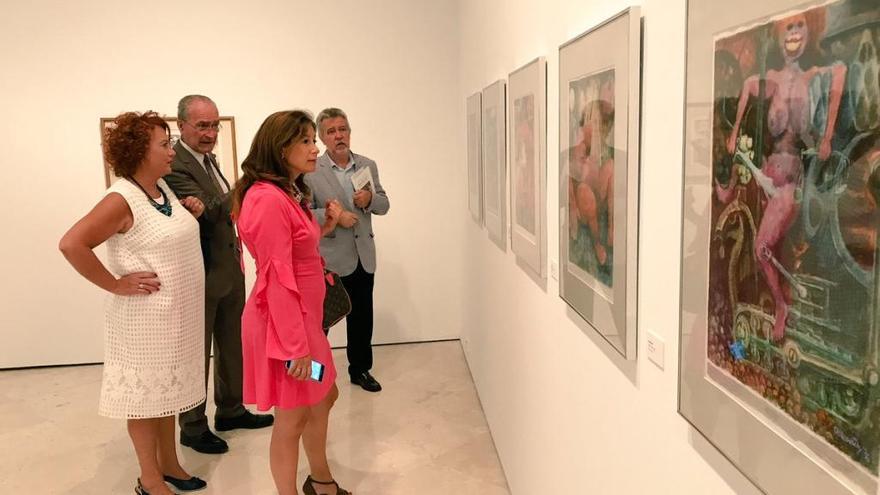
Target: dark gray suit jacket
219, 245
343, 247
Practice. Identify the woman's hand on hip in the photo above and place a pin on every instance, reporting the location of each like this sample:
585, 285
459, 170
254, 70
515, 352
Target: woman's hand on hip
137, 284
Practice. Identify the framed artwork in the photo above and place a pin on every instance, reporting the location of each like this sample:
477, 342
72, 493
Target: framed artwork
224, 149
780, 315
599, 98
495, 163
528, 170
474, 157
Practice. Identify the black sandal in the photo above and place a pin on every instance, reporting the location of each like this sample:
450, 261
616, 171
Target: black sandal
139, 489
190, 485
308, 489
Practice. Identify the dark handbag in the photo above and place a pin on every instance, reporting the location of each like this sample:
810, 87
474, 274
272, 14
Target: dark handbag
336, 301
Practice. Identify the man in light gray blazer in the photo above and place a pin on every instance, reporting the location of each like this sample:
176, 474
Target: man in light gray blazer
349, 249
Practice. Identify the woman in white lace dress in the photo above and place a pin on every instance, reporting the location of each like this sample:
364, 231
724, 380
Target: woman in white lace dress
154, 319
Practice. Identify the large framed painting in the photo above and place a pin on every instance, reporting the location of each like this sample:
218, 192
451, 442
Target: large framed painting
474, 157
527, 90
780, 336
224, 151
599, 93
495, 163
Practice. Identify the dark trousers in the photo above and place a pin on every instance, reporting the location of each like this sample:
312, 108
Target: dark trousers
359, 323
223, 328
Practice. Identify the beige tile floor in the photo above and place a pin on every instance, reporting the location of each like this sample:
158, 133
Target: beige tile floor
423, 434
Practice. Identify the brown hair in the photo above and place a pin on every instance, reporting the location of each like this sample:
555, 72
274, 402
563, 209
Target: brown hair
264, 162
126, 143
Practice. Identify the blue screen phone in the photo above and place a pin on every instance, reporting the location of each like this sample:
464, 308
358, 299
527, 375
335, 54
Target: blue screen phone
317, 370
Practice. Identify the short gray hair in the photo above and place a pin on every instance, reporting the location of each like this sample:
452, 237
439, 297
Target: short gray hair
332, 113
183, 105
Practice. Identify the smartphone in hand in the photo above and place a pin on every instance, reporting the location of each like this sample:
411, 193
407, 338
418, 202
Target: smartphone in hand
317, 370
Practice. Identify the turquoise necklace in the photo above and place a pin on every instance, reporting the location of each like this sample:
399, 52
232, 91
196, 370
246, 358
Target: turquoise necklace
165, 207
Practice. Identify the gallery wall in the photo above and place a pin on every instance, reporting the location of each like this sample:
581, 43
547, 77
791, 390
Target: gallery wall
567, 412
65, 65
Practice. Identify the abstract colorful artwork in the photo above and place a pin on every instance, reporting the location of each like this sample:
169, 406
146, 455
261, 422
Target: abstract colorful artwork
780, 343
524, 157
599, 119
591, 178
528, 171
792, 284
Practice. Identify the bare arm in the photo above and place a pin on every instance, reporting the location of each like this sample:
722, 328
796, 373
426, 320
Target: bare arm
750, 88
110, 216
838, 79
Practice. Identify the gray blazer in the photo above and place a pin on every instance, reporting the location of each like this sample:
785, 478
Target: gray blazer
343, 247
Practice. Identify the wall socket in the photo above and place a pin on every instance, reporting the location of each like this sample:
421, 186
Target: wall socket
656, 349
554, 270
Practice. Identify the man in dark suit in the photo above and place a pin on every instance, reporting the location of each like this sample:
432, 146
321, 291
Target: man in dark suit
349, 249
195, 172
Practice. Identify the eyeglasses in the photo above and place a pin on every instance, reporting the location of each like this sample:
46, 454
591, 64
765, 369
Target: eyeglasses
203, 127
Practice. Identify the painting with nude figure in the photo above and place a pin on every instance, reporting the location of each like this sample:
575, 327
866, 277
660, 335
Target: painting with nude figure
791, 278
791, 306
599, 102
591, 177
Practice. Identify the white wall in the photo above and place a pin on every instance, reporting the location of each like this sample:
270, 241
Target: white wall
391, 64
568, 415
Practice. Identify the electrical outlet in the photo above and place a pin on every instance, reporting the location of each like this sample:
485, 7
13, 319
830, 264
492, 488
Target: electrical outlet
656, 349
554, 270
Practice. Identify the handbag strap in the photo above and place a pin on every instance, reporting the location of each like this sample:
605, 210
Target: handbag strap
328, 274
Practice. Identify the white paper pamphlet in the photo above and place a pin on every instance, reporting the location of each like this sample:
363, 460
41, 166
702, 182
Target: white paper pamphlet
363, 179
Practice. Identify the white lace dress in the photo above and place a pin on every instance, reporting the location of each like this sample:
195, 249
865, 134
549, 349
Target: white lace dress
154, 353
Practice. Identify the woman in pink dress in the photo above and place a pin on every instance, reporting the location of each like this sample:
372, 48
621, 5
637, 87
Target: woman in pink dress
281, 323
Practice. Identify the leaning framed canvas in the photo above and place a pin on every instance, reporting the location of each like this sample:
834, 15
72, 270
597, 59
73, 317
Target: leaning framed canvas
475, 158
495, 163
224, 151
780, 315
527, 90
599, 93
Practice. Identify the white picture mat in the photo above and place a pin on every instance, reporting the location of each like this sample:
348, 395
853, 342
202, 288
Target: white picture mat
615, 44
529, 246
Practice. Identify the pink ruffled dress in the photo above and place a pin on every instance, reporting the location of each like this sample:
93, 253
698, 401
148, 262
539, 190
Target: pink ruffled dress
282, 317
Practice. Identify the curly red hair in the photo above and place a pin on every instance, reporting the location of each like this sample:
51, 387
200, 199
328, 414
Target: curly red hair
126, 143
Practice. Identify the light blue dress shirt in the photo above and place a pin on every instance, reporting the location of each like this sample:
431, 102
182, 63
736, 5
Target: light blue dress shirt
343, 175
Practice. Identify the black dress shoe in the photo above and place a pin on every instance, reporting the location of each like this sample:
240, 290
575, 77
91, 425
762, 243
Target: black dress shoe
191, 485
206, 443
248, 420
139, 489
366, 382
